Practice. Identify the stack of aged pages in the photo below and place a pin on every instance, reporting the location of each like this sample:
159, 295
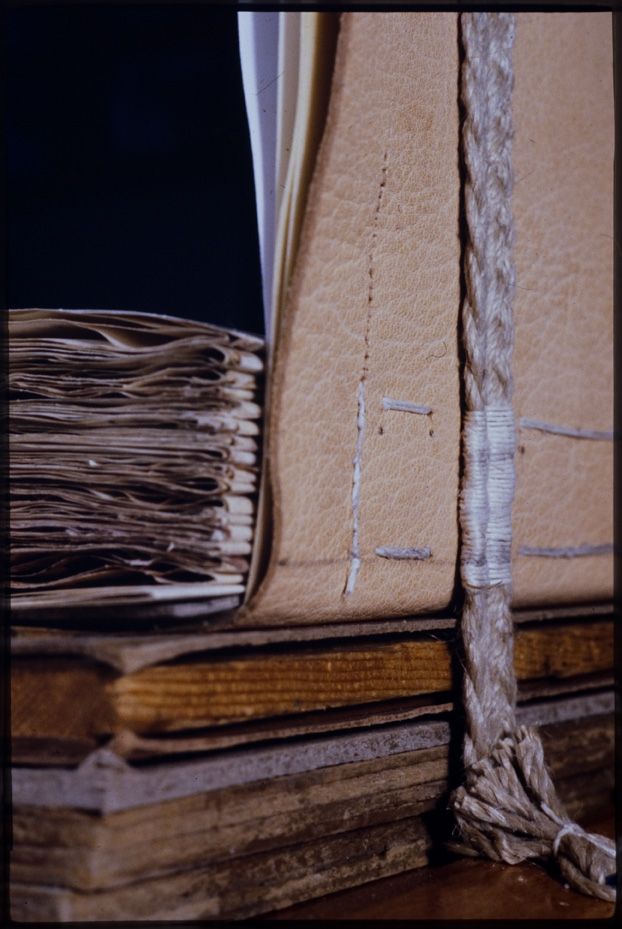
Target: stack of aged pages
134, 458
209, 725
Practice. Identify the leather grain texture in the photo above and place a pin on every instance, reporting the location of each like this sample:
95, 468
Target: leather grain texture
373, 312
373, 308
563, 351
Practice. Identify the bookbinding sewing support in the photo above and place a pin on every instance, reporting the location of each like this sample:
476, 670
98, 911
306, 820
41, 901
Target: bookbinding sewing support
507, 807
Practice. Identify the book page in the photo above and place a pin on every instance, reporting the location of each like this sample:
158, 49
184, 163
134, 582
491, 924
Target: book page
259, 58
133, 442
287, 61
296, 53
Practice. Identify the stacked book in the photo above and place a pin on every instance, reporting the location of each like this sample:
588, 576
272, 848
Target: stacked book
235, 663
228, 773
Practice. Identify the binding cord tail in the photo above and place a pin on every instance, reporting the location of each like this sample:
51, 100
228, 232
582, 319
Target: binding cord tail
507, 808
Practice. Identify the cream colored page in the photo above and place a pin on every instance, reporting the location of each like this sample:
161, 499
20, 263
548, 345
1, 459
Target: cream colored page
131, 507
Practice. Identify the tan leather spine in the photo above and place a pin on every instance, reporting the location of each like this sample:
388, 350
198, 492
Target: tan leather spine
374, 302
563, 353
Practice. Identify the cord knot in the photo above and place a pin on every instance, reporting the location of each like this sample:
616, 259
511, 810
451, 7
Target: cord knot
509, 811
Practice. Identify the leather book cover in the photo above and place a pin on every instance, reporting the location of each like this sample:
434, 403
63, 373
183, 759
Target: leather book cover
365, 407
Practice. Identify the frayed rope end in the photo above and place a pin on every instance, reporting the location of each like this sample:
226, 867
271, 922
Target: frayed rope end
508, 810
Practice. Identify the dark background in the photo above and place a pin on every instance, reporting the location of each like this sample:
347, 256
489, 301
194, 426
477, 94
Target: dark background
129, 176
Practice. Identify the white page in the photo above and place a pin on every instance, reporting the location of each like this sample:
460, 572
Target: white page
259, 57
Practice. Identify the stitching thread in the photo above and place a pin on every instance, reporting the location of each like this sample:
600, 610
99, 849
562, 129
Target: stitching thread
568, 552
388, 551
404, 406
355, 554
606, 434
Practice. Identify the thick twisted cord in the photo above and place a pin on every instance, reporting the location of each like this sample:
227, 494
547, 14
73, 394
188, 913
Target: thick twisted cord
508, 808
488, 484
487, 80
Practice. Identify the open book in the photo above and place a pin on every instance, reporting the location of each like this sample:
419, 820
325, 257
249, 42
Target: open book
358, 192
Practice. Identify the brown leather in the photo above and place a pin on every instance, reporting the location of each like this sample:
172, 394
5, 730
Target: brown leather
375, 296
563, 354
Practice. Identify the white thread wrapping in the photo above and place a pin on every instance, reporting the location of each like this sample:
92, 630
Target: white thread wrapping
570, 828
486, 501
404, 406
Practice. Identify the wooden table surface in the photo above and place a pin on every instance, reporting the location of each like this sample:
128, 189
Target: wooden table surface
467, 888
